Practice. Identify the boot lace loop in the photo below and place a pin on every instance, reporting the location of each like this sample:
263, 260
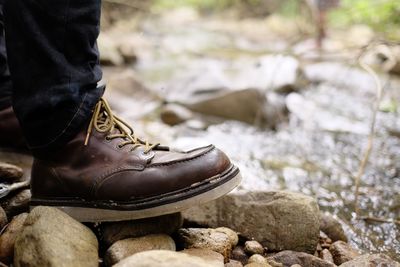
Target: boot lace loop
104, 121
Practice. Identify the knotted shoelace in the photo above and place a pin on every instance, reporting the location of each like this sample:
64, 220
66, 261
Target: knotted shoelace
104, 121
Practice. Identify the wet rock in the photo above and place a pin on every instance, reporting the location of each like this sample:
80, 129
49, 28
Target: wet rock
288, 220
253, 247
52, 238
173, 114
8, 237
167, 224
342, 252
326, 255
243, 105
374, 260
257, 258
240, 255
127, 247
109, 53
212, 257
332, 227
289, 258
18, 203
233, 263
9, 172
162, 258
3, 218
207, 239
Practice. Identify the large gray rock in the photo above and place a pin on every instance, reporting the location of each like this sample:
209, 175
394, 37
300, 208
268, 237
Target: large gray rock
206, 239
163, 258
289, 258
127, 247
342, 252
52, 238
167, 224
278, 220
248, 105
375, 260
9, 172
7, 238
332, 227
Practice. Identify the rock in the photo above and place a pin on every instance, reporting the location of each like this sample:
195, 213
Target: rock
109, 53
274, 263
173, 114
273, 72
253, 247
167, 224
374, 260
9, 172
296, 265
127, 52
207, 239
326, 255
212, 257
332, 227
162, 258
342, 252
246, 105
18, 203
52, 238
257, 258
7, 238
233, 263
289, 258
127, 247
233, 236
3, 218
256, 264
283, 220
240, 255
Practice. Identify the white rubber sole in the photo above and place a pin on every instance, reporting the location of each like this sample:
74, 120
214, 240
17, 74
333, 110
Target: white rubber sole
107, 215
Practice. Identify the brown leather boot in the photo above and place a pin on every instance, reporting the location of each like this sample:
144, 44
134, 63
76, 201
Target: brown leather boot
108, 174
11, 137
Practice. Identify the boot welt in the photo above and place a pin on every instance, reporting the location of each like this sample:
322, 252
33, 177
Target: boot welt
101, 211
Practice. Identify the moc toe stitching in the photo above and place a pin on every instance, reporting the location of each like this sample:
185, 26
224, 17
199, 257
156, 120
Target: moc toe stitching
211, 148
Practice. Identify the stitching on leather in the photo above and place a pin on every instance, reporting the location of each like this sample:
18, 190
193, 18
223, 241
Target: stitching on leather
100, 179
180, 161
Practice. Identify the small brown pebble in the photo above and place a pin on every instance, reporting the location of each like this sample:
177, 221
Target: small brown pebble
257, 258
9, 172
238, 254
233, 263
253, 247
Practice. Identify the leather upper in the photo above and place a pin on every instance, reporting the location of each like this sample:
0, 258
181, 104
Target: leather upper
104, 171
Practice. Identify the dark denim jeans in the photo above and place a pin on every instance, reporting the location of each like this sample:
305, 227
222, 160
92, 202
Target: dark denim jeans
54, 63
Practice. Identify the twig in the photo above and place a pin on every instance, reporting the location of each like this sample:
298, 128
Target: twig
364, 162
380, 220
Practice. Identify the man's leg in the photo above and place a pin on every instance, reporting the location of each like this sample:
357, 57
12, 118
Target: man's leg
5, 79
98, 170
54, 63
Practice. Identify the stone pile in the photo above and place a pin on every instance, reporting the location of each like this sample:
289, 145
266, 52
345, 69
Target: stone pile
241, 229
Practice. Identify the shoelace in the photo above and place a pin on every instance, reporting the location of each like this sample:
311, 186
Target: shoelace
104, 121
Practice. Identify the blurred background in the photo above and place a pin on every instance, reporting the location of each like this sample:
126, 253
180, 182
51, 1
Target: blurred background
283, 86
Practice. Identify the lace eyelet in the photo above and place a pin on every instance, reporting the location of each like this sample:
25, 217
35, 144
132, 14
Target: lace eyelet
119, 146
108, 138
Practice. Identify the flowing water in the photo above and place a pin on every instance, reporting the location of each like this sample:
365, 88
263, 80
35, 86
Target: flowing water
317, 152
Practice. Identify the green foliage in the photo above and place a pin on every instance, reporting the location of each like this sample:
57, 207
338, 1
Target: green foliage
380, 14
